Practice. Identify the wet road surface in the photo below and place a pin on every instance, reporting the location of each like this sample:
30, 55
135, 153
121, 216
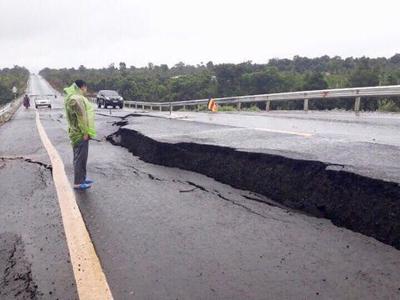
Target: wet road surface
34, 255
165, 233
368, 144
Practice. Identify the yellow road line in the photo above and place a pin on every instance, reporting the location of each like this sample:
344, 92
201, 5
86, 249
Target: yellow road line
89, 276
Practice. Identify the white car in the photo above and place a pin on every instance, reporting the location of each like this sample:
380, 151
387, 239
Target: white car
42, 101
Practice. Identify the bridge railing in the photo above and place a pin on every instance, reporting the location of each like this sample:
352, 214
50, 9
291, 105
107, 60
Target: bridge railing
353, 94
4, 109
7, 111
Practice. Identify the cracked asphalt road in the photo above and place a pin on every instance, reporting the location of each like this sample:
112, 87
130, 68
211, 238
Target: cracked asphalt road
165, 233
30, 220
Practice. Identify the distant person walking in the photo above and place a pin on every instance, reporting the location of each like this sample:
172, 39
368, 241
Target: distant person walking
80, 117
26, 101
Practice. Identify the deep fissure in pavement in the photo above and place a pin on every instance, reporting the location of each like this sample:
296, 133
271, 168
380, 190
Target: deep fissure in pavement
362, 204
16, 277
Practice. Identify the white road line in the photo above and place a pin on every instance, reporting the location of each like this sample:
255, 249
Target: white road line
303, 134
90, 279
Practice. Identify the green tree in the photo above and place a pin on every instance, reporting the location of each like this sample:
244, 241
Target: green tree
183, 81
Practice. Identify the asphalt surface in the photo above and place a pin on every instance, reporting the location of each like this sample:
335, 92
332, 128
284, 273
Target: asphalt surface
368, 144
34, 256
165, 233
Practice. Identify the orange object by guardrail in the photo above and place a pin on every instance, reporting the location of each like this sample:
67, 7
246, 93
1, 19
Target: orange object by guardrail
212, 105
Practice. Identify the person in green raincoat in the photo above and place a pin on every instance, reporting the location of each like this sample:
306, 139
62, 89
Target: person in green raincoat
80, 116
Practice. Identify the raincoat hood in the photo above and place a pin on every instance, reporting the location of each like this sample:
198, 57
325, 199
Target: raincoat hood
73, 89
79, 113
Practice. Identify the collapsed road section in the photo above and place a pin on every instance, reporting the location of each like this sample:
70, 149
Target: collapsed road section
366, 205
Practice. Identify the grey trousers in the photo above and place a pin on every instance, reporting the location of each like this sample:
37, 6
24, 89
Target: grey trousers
80, 160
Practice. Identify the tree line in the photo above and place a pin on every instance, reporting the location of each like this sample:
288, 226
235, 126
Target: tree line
10, 77
184, 82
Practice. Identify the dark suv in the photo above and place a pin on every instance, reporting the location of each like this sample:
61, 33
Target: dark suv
107, 98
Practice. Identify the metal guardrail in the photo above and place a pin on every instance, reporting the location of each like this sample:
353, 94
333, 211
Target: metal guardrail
7, 111
4, 109
349, 93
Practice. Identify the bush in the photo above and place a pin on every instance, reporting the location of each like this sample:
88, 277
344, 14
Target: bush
203, 107
226, 108
388, 105
253, 108
16, 76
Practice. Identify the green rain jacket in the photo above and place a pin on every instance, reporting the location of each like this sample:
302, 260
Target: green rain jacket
80, 115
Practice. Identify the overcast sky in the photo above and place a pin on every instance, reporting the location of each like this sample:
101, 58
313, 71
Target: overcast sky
95, 33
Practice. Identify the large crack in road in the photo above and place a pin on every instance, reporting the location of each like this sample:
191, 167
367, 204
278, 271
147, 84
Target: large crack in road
28, 160
16, 279
362, 204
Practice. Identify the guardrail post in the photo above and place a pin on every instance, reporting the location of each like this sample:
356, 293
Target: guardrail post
268, 105
135, 105
357, 105
305, 104
160, 108
151, 107
142, 106
198, 107
184, 107
239, 105
170, 108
